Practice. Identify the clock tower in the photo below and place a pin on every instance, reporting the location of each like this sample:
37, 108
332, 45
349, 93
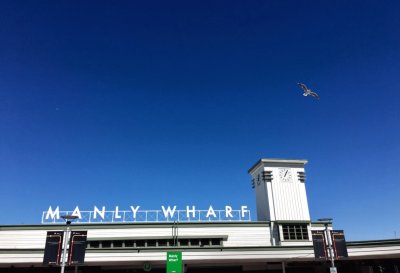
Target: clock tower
280, 190
281, 199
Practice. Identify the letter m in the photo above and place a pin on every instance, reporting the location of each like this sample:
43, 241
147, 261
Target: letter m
52, 214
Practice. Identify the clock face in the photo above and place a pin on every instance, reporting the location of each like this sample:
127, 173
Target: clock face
285, 175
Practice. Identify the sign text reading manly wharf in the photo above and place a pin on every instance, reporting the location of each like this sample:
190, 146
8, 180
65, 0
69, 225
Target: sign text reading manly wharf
134, 214
174, 262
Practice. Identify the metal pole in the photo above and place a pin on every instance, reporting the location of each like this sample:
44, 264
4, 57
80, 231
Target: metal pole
65, 247
283, 267
328, 238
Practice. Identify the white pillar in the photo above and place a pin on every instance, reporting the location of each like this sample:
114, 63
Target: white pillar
64, 256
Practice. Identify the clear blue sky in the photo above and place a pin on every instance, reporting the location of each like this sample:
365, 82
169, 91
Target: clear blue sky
156, 103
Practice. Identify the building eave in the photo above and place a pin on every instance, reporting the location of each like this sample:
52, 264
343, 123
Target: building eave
277, 160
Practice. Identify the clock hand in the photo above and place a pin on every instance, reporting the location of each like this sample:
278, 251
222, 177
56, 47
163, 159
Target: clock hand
286, 173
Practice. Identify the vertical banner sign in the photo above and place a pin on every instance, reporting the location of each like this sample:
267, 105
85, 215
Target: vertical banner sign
339, 244
77, 247
318, 237
53, 248
174, 262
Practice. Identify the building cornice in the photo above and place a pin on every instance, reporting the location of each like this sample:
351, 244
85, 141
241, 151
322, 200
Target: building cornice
263, 161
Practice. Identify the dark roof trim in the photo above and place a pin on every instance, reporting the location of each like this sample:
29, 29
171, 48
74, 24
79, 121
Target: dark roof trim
370, 243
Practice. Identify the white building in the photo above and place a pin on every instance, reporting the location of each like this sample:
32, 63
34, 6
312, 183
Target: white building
279, 241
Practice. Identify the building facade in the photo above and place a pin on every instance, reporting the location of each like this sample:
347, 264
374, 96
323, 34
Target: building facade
281, 240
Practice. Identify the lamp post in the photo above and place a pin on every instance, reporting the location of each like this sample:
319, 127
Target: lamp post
68, 219
326, 222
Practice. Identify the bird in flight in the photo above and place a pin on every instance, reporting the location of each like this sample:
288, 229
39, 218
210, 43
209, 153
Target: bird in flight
307, 91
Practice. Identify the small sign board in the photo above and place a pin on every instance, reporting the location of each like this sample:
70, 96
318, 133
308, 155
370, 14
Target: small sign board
77, 248
339, 244
53, 248
318, 237
333, 270
174, 262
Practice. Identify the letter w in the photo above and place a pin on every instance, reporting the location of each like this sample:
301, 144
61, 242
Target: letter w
168, 212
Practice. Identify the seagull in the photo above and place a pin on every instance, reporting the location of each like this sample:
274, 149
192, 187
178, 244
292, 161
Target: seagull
307, 91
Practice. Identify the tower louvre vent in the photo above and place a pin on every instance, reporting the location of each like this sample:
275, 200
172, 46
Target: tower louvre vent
267, 176
302, 176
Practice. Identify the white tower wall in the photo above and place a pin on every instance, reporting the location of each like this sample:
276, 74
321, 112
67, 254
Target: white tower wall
280, 190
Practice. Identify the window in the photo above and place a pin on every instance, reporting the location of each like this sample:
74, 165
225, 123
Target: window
106, 244
166, 243
162, 243
151, 243
295, 232
171, 243
204, 242
194, 242
95, 244
117, 244
216, 242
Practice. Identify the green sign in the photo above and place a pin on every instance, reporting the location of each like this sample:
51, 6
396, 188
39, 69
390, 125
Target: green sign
174, 262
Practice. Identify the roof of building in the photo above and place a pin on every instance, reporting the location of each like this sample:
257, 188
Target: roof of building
277, 160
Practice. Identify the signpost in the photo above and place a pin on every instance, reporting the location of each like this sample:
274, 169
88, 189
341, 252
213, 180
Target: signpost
174, 262
335, 242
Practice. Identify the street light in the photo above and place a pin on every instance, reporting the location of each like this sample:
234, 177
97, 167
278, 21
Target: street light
326, 222
68, 219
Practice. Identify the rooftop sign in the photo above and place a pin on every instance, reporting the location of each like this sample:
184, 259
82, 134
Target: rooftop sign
134, 214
